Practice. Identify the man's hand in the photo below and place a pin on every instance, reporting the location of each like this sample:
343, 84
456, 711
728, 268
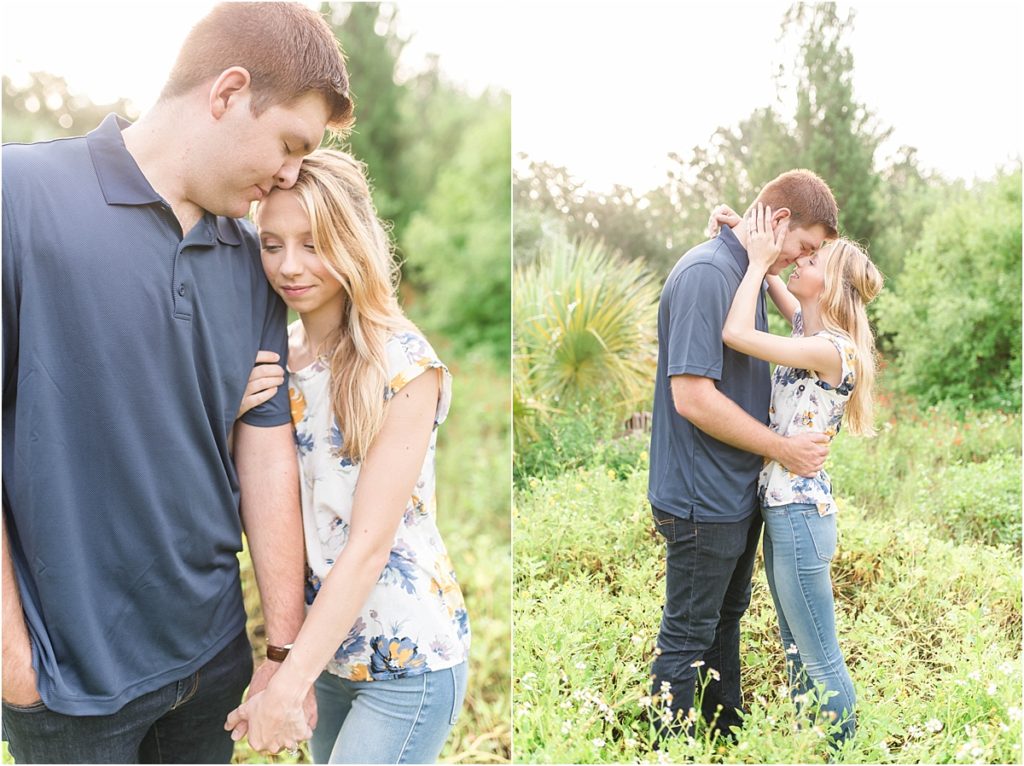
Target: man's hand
20, 682
260, 678
803, 454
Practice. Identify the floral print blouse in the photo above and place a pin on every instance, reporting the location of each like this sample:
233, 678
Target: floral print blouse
803, 402
415, 619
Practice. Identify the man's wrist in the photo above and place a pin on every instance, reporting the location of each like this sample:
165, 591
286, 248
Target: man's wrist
278, 653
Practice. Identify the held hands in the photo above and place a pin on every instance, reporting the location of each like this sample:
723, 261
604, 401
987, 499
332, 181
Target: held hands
763, 244
264, 380
273, 720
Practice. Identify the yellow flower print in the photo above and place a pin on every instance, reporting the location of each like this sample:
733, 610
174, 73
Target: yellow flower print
359, 673
298, 404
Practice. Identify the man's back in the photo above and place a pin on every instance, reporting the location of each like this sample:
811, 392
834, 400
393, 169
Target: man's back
692, 474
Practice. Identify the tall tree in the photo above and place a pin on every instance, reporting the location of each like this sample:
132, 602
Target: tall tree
368, 36
836, 135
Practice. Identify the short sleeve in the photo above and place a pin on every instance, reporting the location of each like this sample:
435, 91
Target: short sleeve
847, 354
700, 301
274, 337
409, 356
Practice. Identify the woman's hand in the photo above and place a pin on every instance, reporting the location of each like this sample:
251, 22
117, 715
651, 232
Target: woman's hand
272, 722
264, 380
722, 215
763, 244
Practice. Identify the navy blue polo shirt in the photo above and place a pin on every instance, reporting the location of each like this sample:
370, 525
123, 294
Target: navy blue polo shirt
126, 350
693, 475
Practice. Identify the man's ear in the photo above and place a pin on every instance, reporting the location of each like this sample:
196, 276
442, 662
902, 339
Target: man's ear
780, 215
231, 88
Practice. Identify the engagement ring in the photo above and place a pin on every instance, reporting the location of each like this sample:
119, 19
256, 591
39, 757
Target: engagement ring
292, 751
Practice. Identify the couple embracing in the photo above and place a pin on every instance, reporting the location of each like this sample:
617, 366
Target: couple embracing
735, 449
139, 439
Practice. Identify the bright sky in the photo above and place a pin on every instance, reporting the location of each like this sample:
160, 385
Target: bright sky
107, 50
609, 89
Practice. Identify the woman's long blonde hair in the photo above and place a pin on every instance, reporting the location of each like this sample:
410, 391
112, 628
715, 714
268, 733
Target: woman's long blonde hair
356, 249
851, 282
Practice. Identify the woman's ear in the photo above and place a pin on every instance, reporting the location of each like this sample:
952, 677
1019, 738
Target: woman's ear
229, 89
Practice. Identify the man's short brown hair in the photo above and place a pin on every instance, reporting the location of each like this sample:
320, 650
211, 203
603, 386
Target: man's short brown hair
288, 49
808, 198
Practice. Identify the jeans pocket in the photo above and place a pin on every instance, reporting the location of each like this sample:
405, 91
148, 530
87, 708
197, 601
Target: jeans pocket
822, 531
665, 523
35, 707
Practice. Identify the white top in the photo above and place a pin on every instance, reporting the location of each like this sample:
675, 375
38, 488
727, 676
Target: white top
414, 620
802, 402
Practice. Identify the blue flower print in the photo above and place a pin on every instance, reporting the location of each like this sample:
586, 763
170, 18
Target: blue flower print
354, 643
337, 441
312, 586
401, 568
440, 648
395, 657
304, 441
462, 618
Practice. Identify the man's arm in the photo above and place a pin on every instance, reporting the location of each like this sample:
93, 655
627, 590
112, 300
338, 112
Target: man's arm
269, 488
19, 676
697, 400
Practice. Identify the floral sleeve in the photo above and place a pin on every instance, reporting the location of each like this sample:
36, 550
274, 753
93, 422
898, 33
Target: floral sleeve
409, 356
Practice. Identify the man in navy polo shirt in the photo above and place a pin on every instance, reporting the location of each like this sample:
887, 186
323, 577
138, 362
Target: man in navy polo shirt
134, 304
708, 439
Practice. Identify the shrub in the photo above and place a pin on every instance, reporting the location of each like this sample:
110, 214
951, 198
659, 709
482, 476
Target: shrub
955, 317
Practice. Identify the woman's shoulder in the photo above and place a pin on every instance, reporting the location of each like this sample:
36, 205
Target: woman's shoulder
409, 346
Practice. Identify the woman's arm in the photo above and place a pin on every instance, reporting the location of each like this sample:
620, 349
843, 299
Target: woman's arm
782, 297
386, 481
740, 333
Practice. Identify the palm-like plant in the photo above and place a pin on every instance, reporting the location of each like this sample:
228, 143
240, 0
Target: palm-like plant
584, 328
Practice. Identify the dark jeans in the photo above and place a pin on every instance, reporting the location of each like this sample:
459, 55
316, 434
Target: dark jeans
707, 589
182, 722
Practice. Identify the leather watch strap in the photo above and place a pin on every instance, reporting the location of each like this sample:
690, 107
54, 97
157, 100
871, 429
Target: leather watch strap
277, 653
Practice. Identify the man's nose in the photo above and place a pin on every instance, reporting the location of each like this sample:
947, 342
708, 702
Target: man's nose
288, 174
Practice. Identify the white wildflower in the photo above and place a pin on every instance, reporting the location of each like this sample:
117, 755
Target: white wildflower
597, 742
934, 725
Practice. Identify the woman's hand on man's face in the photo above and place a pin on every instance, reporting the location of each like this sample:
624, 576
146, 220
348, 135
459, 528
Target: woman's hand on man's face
763, 244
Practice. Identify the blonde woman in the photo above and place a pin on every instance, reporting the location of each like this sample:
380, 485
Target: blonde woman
386, 636
824, 377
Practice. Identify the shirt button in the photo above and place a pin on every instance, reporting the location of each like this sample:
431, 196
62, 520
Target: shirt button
181, 291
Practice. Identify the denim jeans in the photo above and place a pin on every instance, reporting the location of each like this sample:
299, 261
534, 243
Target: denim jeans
798, 548
707, 589
403, 720
182, 722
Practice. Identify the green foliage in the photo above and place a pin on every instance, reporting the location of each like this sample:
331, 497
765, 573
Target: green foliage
587, 436
929, 622
584, 328
460, 240
955, 317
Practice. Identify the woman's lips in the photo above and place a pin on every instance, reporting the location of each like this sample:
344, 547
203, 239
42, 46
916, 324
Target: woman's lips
294, 291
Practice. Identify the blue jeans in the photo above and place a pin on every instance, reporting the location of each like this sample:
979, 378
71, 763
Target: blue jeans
182, 722
403, 720
707, 589
798, 548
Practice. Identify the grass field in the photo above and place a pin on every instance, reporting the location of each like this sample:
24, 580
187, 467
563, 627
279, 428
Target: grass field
928, 589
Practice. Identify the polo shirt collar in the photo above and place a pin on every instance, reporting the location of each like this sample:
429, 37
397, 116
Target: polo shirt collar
739, 253
122, 181
120, 178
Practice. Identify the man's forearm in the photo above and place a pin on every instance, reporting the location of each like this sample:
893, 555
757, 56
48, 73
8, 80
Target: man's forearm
720, 417
268, 481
